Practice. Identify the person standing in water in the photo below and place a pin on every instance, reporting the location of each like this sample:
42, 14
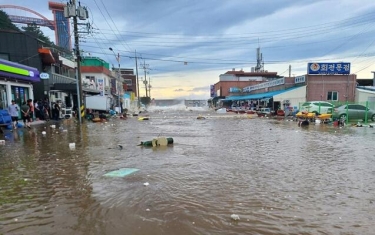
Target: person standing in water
25, 113
13, 112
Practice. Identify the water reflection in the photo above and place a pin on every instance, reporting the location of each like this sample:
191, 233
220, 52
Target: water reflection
279, 178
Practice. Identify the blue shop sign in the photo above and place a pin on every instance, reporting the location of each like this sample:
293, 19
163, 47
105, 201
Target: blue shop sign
328, 68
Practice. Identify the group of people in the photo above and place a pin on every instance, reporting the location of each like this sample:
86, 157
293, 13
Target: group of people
40, 110
27, 113
44, 112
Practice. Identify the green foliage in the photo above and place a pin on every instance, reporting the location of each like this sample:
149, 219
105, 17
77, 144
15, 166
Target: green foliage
34, 30
5, 22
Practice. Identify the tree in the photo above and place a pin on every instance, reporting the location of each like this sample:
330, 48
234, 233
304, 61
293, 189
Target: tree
34, 30
6, 23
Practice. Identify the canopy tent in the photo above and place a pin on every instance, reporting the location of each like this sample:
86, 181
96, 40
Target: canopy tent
264, 95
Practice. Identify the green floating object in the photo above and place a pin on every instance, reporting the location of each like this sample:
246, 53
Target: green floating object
121, 172
160, 141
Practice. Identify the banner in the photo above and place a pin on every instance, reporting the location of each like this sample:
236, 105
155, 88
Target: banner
212, 91
101, 86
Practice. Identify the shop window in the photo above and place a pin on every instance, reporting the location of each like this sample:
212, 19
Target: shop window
3, 97
4, 56
332, 95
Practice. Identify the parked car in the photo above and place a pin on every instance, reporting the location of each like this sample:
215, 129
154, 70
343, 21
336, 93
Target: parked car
264, 112
317, 107
354, 111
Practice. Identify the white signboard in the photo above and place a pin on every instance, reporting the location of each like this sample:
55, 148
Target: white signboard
300, 79
44, 76
263, 85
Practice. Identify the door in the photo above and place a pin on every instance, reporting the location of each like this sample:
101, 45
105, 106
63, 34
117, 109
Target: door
361, 111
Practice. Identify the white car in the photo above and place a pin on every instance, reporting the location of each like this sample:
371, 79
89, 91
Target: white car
318, 107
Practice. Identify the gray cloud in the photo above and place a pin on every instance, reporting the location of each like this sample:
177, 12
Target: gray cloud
177, 37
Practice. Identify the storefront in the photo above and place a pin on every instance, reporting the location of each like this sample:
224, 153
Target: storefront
16, 83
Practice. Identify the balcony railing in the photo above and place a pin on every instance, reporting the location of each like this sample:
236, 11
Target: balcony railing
58, 78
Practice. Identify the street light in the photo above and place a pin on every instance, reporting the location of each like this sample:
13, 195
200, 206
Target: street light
119, 77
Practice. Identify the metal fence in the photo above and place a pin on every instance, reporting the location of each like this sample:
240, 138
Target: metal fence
344, 111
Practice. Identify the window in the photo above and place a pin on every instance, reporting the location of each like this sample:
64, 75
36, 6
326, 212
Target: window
332, 95
4, 56
128, 82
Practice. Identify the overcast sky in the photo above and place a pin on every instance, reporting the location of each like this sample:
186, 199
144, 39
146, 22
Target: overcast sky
187, 44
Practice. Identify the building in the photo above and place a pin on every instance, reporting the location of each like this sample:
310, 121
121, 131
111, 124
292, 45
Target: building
231, 82
96, 75
16, 83
324, 81
61, 25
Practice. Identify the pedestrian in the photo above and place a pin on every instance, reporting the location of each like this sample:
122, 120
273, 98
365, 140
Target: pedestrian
56, 111
36, 110
46, 110
13, 112
31, 112
25, 113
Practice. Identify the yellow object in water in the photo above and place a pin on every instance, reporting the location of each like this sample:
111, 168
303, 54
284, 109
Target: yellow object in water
143, 118
305, 115
324, 116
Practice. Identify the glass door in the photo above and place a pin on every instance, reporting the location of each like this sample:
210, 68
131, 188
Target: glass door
3, 97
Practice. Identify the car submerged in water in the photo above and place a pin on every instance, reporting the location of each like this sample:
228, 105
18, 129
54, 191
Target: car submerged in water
353, 111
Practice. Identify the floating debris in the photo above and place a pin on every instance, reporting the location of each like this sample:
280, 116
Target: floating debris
235, 217
121, 172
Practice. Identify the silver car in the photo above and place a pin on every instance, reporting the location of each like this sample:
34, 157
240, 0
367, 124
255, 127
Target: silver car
353, 111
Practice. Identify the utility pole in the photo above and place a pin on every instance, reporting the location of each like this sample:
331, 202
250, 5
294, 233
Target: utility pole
145, 67
70, 10
149, 87
118, 78
136, 69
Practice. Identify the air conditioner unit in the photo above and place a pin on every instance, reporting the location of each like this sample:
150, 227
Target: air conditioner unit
286, 102
106, 88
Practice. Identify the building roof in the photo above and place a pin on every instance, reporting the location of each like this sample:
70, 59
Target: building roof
252, 74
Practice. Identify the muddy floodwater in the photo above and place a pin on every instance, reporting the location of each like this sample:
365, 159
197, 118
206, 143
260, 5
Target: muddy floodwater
273, 176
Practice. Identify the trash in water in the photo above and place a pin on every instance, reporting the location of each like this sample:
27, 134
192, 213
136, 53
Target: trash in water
121, 172
235, 217
2, 141
146, 184
43, 132
72, 145
53, 126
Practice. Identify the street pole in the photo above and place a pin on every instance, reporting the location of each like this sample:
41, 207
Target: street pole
78, 59
145, 82
149, 87
136, 69
118, 78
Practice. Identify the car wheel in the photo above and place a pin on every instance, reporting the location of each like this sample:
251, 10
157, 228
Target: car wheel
373, 117
342, 117
316, 113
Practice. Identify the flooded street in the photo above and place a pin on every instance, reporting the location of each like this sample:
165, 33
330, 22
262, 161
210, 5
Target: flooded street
277, 177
